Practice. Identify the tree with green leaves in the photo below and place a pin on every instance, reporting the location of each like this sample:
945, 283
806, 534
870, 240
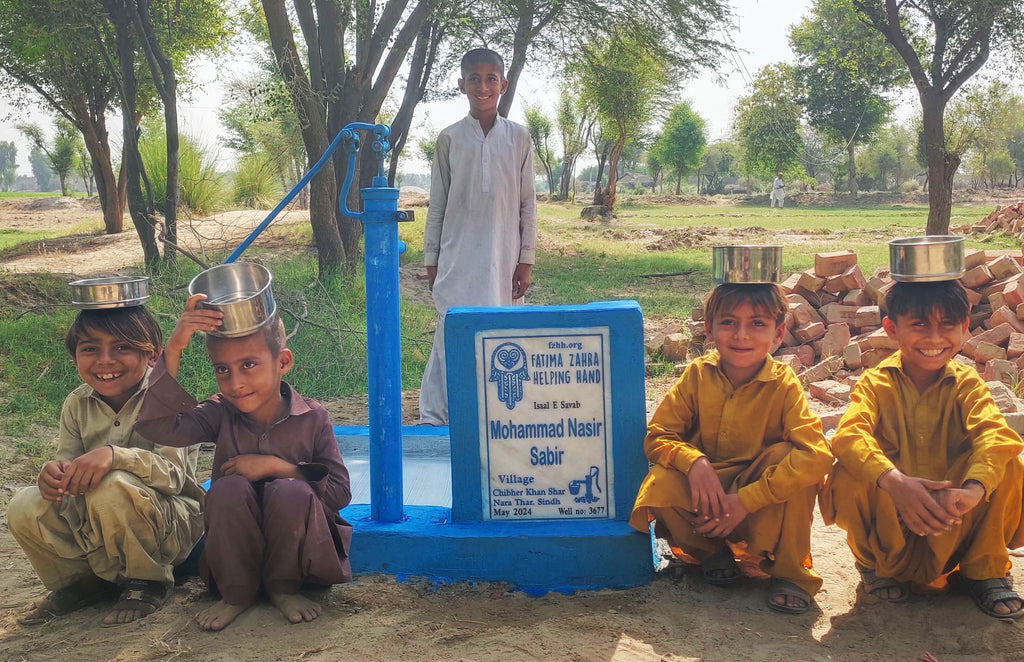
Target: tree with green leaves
624, 80
8, 165
716, 165
58, 50
846, 71
60, 153
943, 43
889, 157
574, 124
540, 127
994, 113
40, 168
767, 125
682, 142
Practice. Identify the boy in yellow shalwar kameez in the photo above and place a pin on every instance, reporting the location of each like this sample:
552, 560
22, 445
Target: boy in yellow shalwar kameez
736, 454
928, 477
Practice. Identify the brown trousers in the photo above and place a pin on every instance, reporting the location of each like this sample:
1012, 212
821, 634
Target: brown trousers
274, 535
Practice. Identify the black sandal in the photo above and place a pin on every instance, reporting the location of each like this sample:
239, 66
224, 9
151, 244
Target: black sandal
721, 569
79, 594
987, 593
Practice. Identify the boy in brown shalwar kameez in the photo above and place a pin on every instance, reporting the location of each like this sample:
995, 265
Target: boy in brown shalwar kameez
278, 478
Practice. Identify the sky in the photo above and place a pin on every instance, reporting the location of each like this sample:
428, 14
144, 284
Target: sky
762, 29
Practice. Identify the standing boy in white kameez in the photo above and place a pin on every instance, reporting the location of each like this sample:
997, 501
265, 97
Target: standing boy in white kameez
481, 233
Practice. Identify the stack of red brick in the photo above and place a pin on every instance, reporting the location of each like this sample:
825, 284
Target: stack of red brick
833, 327
1009, 219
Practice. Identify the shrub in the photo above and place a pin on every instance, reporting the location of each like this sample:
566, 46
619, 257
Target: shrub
200, 186
255, 182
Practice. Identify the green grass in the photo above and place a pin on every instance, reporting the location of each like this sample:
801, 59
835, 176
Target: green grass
30, 194
10, 238
579, 261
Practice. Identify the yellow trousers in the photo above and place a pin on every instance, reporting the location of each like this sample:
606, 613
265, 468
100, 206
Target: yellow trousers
121, 529
778, 536
879, 540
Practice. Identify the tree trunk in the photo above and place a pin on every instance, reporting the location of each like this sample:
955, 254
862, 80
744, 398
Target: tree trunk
329, 248
613, 168
851, 166
111, 201
131, 160
941, 164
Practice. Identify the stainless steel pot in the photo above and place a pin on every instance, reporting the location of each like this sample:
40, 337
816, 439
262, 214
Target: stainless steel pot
109, 292
746, 264
922, 259
240, 290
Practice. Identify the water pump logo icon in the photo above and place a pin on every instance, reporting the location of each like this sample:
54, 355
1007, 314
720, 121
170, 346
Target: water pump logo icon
509, 371
591, 484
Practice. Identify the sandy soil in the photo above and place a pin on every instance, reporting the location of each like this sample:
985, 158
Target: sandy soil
675, 617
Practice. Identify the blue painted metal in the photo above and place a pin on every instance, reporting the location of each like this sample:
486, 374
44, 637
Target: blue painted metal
380, 218
535, 557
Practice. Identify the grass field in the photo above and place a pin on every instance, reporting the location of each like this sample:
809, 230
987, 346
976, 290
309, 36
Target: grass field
659, 255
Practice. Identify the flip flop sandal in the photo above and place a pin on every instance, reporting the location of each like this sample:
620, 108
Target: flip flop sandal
77, 595
723, 563
784, 588
873, 583
139, 595
986, 593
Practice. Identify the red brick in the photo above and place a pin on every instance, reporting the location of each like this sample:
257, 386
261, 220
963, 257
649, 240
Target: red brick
674, 347
973, 298
835, 284
999, 335
853, 279
1004, 314
837, 337
833, 264
830, 391
1015, 345
976, 277
873, 357
788, 284
868, 316
810, 331
791, 360
809, 282
837, 312
1013, 293
1003, 266
995, 300
803, 352
788, 340
858, 297
822, 370
804, 313
851, 356
1000, 370
697, 313
973, 257
986, 351
877, 339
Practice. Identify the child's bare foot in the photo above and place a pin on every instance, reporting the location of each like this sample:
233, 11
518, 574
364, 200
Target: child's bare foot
139, 598
886, 589
220, 615
296, 608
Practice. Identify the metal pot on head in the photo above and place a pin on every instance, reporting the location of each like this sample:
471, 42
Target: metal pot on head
746, 264
240, 290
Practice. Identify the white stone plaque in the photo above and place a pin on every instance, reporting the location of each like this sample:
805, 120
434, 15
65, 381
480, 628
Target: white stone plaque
545, 412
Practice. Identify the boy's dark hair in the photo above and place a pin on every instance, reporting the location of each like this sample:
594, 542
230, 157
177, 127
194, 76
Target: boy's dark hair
134, 325
481, 56
272, 333
922, 300
764, 298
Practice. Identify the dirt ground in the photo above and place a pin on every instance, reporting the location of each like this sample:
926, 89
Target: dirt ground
674, 617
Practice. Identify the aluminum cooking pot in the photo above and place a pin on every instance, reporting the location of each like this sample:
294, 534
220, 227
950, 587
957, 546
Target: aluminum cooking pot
922, 259
109, 292
240, 290
746, 264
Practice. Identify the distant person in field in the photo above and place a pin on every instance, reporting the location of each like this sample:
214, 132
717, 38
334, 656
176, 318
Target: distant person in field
481, 233
778, 194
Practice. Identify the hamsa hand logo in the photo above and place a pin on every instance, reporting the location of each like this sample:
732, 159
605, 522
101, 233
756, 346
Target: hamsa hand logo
509, 371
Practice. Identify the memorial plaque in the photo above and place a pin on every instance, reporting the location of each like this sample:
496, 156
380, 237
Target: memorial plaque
545, 423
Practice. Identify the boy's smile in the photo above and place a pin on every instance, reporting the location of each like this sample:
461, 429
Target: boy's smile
249, 376
483, 84
743, 337
926, 345
112, 367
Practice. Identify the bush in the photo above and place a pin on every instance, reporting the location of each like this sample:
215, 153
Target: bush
200, 186
255, 182
910, 186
